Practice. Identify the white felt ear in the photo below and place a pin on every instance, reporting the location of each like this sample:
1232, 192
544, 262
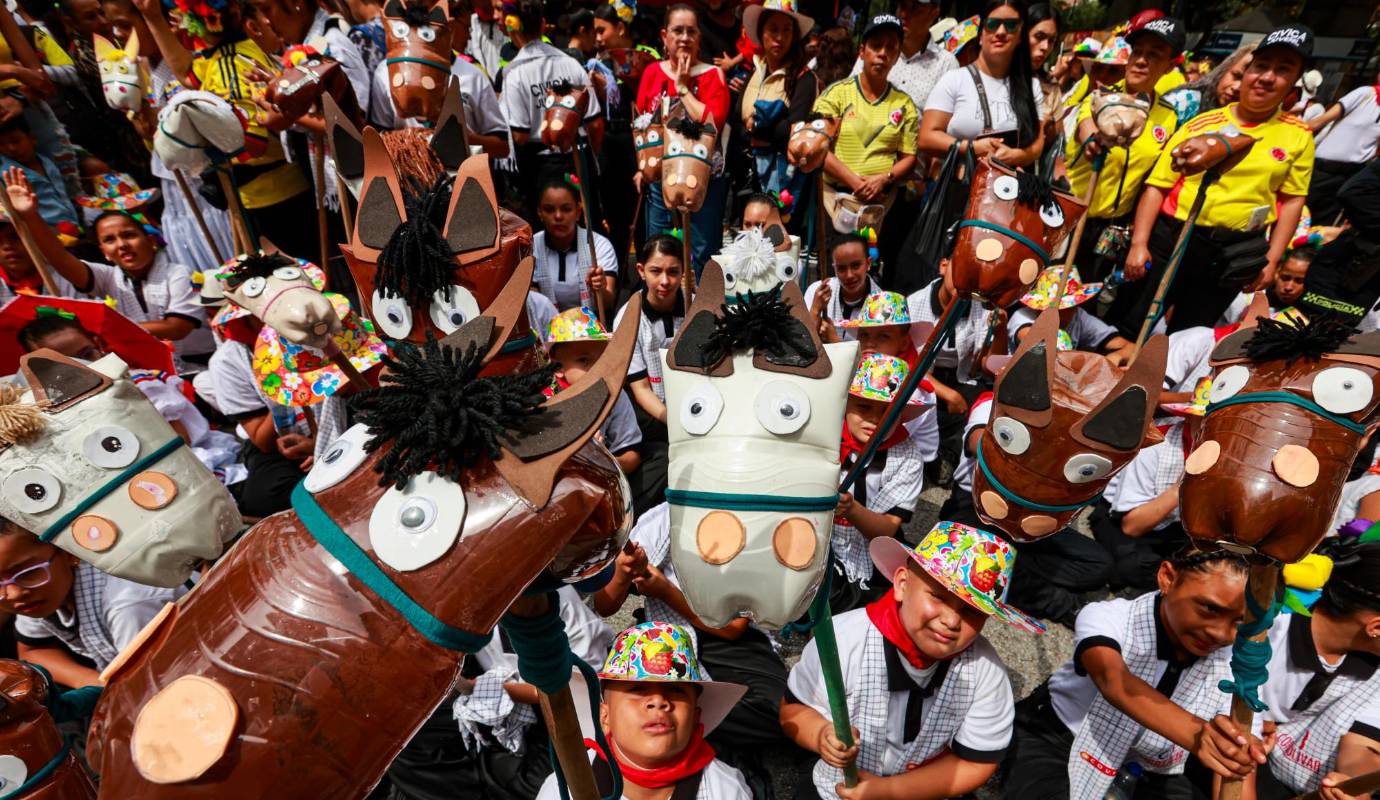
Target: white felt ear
111, 366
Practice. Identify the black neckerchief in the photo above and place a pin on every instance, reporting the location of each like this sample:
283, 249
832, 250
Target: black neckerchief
899, 680
561, 254
667, 319
1303, 654
1164, 650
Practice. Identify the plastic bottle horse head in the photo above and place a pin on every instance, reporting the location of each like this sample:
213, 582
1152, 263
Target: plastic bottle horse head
276, 289
564, 112
687, 166
308, 73
649, 136
419, 55
1120, 117
196, 129
811, 141
31, 742
123, 81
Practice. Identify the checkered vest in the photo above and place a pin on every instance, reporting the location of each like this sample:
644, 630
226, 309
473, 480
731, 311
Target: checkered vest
90, 637
969, 334
1306, 747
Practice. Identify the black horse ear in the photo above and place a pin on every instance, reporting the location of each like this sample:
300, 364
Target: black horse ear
58, 381
343, 139
394, 8
449, 140
687, 350
1022, 389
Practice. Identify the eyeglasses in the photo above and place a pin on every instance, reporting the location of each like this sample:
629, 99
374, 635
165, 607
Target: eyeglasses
1011, 25
30, 578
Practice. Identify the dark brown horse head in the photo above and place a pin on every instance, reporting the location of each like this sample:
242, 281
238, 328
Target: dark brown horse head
564, 112
419, 55
30, 739
1290, 406
649, 136
1013, 222
308, 75
810, 142
1063, 423
688, 163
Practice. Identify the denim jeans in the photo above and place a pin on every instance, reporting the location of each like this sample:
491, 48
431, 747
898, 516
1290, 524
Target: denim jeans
706, 225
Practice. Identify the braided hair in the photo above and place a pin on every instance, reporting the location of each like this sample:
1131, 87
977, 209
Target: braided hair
1190, 559
1355, 582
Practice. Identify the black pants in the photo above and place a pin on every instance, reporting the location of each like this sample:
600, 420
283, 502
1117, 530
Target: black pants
1037, 765
268, 488
750, 661
648, 481
951, 425
1328, 177
1199, 294
1135, 562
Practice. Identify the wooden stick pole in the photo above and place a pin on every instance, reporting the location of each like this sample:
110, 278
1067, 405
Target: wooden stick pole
1082, 225
589, 230
200, 219
1261, 586
687, 283
821, 225
26, 238
244, 242
1167, 277
828, 649
1360, 784
351, 374
319, 165
631, 271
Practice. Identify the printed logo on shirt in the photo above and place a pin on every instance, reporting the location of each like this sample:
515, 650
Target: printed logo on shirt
1294, 752
896, 116
1159, 133
1278, 154
1175, 755
1098, 765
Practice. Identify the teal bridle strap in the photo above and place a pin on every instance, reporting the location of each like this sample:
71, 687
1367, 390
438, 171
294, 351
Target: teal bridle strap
669, 157
1005, 231
520, 343
322, 528
109, 486
415, 60
1293, 400
42, 775
750, 502
1021, 501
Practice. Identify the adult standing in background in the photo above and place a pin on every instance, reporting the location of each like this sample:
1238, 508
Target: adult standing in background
1214, 90
768, 96
296, 21
618, 157
1343, 149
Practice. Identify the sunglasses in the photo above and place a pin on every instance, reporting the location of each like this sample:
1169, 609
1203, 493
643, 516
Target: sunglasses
994, 23
30, 578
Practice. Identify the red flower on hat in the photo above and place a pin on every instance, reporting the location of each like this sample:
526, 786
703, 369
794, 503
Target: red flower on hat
1278, 154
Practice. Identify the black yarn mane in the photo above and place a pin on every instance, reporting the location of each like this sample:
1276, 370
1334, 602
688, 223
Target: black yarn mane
417, 13
686, 127
256, 265
762, 323
416, 262
562, 88
1274, 339
1033, 189
438, 414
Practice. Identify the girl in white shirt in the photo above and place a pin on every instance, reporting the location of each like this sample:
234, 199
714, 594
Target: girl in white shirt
565, 272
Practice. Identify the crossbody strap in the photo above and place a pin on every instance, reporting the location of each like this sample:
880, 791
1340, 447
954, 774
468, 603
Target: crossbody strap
982, 98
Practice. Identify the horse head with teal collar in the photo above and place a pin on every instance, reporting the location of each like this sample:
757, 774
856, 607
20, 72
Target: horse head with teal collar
88, 464
317, 647
688, 162
1292, 404
1013, 221
1063, 423
418, 56
754, 416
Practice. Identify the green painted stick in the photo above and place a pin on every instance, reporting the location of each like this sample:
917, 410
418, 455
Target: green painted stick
829, 664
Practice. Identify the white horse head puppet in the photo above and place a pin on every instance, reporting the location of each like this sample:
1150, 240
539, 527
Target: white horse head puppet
758, 260
278, 290
123, 80
87, 463
754, 414
196, 129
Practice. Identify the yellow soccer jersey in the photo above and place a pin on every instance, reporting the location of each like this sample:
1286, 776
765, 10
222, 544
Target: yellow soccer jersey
871, 135
1124, 170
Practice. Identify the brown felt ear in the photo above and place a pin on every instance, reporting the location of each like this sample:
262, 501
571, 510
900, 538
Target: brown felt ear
1125, 416
343, 139
472, 223
533, 453
508, 307
816, 366
449, 140
686, 352
59, 382
1022, 389
381, 208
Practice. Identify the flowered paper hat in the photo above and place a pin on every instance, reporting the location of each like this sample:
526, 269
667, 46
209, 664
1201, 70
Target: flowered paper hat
880, 308
1046, 288
1063, 342
1115, 52
753, 13
1088, 48
295, 375
960, 34
575, 325
664, 653
974, 564
116, 191
880, 378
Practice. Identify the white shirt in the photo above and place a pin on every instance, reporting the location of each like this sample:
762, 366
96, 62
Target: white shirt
1086, 331
1349, 505
540, 312
719, 781
956, 94
986, 727
1153, 470
229, 384
1293, 663
478, 102
562, 274
978, 416
917, 74
486, 42
1352, 138
165, 291
526, 79
838, 310
336, 32
1189, 351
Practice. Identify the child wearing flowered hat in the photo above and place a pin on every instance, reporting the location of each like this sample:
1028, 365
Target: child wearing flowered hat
884, 497
884, 326
658, 705
928, 695
575, 340
1087, 331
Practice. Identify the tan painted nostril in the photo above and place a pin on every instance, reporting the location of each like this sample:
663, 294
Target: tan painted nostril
1039, 525
992, 503
794, 543
1203, 457
988, 250
320, 328
1030, 270
1296, 466
719, 537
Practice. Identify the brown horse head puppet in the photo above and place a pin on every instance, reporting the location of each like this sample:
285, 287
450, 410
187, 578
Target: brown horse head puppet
1014, 220
421, 155
308, 657
1063, 423
308, 74
811, 141
1216, 150
1120, 117
688, 164
428, 259
1289, 409
419, 55
649, 135
31, 744
565, 108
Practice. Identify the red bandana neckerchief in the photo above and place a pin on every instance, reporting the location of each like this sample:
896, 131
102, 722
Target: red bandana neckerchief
884, 612
692, 760
851, 446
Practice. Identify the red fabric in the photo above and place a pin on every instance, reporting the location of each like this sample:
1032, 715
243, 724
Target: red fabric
851, 446
692, 760
30, 285
885, 613
709, 88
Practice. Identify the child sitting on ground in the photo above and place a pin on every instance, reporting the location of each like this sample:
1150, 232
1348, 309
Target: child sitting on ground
1286, 290
17, 149
658, 707
575, 340
929, 695
1085, 330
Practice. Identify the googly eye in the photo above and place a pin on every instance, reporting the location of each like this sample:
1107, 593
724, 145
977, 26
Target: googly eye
417, 524
786, 268
32, 490
549, 101
637, 139
1228, 382
568, 101
701, 409
1086, 467
123, 69
448, 314
782, 407
653, 137
797, 128
287, 273
426, 34
1005, 187
818, 125
393, 315
342, 457
254, 286
1052, 215
700, 150
110, 447
1343, 390
13, 773
675, 148
730, 279
399, 29
1011, 435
